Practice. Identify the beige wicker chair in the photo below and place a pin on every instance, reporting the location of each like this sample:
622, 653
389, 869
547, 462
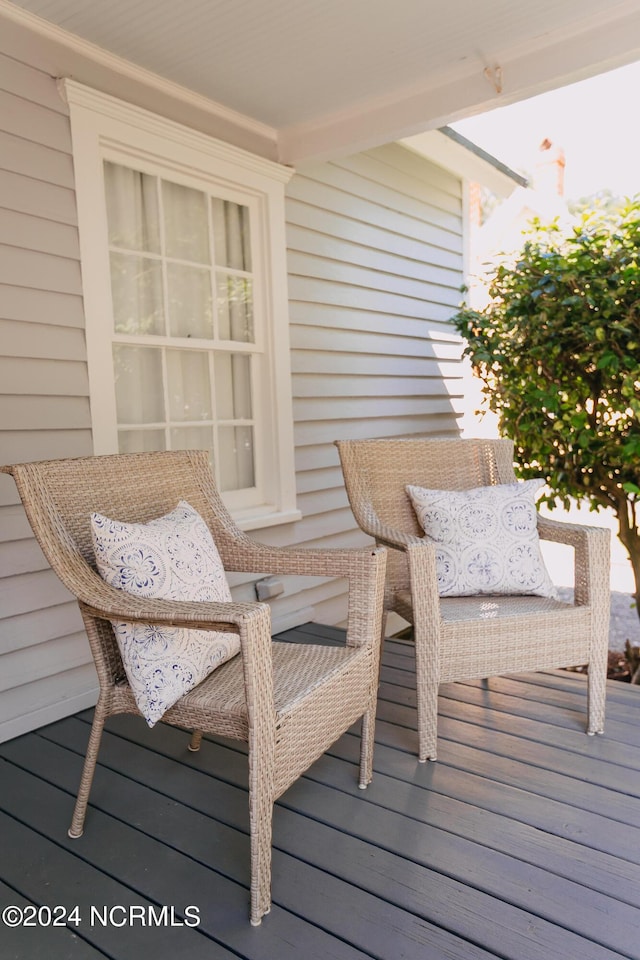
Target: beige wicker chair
455, 638
288, 701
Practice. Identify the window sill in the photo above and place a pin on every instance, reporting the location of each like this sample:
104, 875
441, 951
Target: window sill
259, 518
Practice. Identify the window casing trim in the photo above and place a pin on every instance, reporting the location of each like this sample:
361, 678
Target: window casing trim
105, 128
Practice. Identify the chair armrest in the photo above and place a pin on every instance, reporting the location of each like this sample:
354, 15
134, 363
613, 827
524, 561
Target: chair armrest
364, 569
196, 615
370, 523
251, 556
592, 557
562, 531
252, 621
99, 599
420, 555
390, 537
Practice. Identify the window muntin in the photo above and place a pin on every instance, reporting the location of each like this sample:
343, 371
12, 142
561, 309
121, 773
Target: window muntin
183, 299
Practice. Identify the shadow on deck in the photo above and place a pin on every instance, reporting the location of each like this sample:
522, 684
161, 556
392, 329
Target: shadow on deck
521, 842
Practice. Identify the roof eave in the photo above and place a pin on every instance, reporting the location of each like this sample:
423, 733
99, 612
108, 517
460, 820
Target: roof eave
448, 148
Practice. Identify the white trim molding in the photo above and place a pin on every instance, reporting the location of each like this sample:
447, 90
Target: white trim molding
103, 127
79, 95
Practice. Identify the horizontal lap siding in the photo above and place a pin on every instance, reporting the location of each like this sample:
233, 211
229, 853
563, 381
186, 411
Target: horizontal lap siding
375, 254
45, 663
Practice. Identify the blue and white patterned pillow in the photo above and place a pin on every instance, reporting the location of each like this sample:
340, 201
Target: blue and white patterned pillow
486, 539
171, 558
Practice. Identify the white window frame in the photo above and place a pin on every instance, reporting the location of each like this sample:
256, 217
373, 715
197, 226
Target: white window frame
105, 128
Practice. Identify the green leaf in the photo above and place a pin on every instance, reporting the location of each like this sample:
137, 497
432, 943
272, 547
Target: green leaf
557, 349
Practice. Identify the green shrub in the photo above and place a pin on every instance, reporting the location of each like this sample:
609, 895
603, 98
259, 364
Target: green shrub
558, 351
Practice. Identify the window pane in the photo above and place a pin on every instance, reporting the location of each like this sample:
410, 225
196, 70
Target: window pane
231, 237
233, 386
189, 387
190, 302
235, 308
138, 373
185, 223
140, 441
136, 286
235, 458
132, 208
191, 438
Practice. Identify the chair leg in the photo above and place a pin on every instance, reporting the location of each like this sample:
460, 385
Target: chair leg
596, 691
196, 740
426, 698
367, 738
383, 636
261, 829
80, 809
367, 734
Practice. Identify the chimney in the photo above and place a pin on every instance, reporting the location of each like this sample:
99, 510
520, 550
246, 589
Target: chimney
549, 175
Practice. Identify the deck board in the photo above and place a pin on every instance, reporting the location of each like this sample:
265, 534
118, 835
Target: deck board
513, 701
60, 944
522, 841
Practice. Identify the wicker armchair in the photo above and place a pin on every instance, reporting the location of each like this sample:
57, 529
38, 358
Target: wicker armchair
455, 638
289, 702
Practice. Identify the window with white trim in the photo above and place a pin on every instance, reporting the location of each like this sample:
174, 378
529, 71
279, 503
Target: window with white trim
184, 279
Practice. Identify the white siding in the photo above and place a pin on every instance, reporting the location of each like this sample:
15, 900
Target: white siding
45, 662
375, 252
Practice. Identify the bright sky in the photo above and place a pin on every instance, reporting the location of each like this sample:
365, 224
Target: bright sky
595, 121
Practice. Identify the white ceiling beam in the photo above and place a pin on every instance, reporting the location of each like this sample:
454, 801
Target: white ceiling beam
606, 43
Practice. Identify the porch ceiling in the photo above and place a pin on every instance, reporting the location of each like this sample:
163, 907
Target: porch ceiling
335, 77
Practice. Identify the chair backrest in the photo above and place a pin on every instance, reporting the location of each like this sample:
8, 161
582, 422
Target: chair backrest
376, 472
60, 495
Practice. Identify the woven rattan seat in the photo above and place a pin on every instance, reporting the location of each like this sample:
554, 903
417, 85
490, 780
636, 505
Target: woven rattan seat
474, 637
288, 702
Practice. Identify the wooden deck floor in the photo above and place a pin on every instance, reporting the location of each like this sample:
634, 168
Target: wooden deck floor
521, 842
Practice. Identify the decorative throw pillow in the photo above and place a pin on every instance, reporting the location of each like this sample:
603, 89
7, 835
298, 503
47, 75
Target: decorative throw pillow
486, 539
171, 558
